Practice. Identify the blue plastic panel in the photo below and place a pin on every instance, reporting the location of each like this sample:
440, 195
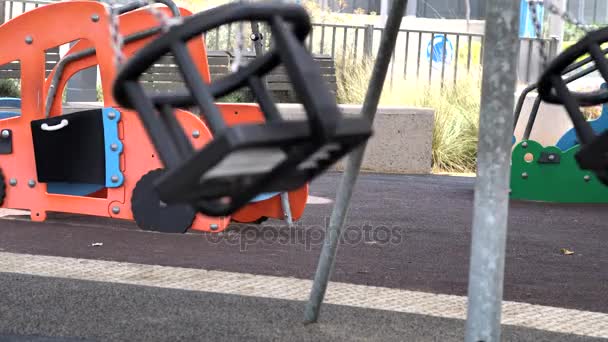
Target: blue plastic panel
110, 129
265, 196
599, 125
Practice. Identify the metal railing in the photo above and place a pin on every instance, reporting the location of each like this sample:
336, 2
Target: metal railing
13, 8
421, 55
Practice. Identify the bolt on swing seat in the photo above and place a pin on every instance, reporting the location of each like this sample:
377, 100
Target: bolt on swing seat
593, 153
242, 161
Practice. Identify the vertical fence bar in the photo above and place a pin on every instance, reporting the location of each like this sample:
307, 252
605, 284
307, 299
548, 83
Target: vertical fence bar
481, 48
418, 57
353, 164
444, 52
431, 58
217, 38
333, 42
407, 46
356, 43
594, 12
344, 45
10, 10
456, 59
486, 271
229, 40
22, 8
368, 41
311, 39
392, 68
322, 39
2, 11
529, 61
469, 52
268, 37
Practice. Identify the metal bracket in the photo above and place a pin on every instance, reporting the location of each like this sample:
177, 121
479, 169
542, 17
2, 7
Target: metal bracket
549, 158
6, 141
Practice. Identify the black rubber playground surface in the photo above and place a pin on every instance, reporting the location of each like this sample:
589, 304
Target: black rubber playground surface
408, 232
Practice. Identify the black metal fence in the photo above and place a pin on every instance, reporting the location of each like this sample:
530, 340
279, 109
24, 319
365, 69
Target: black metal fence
589, 11
11, 9
421, 55
430, 56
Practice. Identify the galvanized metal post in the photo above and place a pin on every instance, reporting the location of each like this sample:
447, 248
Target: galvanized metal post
353, 165
493, 169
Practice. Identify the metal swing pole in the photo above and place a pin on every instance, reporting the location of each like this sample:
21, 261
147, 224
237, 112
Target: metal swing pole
490, 214
353, 164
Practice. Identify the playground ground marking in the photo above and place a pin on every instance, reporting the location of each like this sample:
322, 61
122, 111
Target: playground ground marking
546, 318
318, 200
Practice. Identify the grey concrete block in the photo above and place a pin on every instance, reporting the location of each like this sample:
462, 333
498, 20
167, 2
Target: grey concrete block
402, 141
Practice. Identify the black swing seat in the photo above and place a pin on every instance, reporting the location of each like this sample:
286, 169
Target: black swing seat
243, 160
254, 159
552, 88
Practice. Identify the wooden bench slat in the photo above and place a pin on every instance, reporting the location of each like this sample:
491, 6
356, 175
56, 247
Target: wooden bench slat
15, 74
289, 88
285, 79
164, 88
17, 66
164, 76
215, 74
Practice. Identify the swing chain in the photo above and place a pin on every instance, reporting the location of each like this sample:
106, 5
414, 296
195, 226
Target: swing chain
163, 19
240, 44
117, 39
553, 9
238, 50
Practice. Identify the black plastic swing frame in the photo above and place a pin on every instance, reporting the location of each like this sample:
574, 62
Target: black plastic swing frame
552, 88
309, 146
582, 69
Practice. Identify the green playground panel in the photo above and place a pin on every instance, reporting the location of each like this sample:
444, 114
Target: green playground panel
561, 182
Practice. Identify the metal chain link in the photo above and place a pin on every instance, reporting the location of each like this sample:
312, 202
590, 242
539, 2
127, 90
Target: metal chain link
240, 44
567, 17
163, 19
116, 37
564, 15
117, 40
532, 5
238, 50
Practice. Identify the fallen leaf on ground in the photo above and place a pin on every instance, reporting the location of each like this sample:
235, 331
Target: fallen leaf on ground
566, 251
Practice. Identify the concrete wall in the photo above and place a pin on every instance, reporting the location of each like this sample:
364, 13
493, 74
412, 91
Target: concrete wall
402, 141
402, 138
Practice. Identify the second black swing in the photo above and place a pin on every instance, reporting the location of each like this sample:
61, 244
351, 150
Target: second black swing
552, 88
245, 160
